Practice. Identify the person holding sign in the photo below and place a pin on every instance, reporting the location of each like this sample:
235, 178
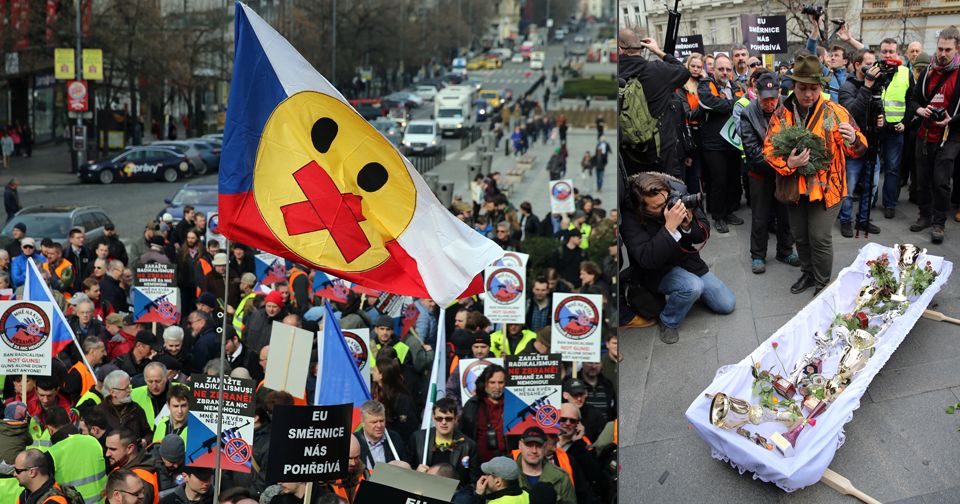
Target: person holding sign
446, 444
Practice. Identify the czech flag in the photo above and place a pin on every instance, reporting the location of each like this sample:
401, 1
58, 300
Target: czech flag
35, 289
338, 378
305, 177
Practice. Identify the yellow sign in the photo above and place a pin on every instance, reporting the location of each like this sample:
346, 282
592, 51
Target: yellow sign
63, 63
93, 64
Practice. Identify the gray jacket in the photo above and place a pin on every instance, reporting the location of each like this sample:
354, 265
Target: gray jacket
753, 130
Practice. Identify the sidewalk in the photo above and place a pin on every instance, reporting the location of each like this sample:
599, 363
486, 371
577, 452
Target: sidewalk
534, 187
49, 165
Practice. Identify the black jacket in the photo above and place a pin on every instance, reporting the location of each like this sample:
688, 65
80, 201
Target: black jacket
82, 262
462, 455
11, 201
855, 97
653, 252
753, 130
567, 262
111, 291
918, 98
717, 111
117, 249
660, 79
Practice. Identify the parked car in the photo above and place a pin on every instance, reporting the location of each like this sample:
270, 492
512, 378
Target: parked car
516, 58
202, 197
217, 138
389, 129
209, 151
193, 150
138, 164
55, 222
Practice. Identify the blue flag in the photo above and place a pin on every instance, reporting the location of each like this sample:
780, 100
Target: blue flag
338, 378
35, 289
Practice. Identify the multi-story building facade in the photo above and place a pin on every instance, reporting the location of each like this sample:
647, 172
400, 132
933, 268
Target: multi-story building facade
907, 20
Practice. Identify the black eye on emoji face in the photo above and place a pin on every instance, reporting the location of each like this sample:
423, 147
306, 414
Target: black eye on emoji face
370, 178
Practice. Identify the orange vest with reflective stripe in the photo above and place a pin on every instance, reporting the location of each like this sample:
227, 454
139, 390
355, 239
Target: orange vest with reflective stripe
151, 478
340, 490
87, 381
295, 273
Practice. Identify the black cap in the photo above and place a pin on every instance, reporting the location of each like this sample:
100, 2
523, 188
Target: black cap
535, 434
202, 473
384, 321
109, 226
480, 337
171, 362
21, 226
146, 337
768, 85
574, 387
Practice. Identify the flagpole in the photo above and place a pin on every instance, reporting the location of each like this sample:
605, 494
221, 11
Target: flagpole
218, 471
436, 376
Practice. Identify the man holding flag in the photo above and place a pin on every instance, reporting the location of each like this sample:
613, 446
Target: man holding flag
446, 444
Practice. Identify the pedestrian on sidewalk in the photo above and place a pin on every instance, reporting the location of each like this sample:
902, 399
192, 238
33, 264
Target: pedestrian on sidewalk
600, 160
517, 138
546, 99
600, 125
586, 165
11, 198
6, 146
562, 128
26, 140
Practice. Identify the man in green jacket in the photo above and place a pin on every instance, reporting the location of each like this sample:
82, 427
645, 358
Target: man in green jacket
535, 469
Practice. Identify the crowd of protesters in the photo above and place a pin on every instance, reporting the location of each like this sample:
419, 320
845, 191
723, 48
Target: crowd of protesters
127, 419
831, 91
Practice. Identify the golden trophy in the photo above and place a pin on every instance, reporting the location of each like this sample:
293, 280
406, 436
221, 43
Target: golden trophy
731, 413
909, 254
851, 362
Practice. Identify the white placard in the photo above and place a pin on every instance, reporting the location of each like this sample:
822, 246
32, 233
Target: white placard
505, 291
213, 231
577, 320
289, 360
470, 369
26, 337
513, 259
561, 196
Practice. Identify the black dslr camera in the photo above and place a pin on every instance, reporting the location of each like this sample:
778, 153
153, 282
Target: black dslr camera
937, 114
813, 10
888, 68
678, 192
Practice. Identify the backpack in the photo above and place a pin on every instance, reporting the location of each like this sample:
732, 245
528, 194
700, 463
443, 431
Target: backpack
638, 129
72, 495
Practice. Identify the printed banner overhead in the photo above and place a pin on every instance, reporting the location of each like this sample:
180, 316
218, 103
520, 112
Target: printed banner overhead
470, 370
93, 64
156, 304
577, 330
532, 396
26, 345
506, 294
314, 442
561, 196
305, 177
689, 44
63, 64
236, 444
764, 34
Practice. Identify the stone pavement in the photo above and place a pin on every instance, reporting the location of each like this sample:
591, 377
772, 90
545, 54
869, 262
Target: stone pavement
49, 165
900, 447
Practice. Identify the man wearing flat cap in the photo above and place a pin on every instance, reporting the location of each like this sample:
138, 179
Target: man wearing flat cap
813, 200
499, 483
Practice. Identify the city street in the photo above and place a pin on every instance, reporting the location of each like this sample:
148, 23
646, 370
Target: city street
900, 446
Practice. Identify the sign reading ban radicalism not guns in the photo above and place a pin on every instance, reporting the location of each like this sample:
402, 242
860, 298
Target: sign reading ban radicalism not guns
236, 443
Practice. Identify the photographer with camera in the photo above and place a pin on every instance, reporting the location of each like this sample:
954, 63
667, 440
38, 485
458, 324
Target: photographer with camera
663, 238
762, 179
855, 96
835, 60
936, 99
815, 197
897, 86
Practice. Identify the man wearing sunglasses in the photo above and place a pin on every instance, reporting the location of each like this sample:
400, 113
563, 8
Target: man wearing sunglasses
446, 444
124, 487
32, 470
18, 268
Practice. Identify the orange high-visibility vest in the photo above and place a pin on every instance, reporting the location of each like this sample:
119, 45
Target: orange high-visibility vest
295, 273
87, 381
151, 478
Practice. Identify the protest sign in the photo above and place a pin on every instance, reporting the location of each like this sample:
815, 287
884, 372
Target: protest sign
26, 342
213, 231
156, 275
731, 133
391, 304
425, 488
358, 341
156, 304
470, 370
764, 34
378, 493
576, 326
514, 260
236, 443
289, 359
561, 196
689, 44
270, 269
313, 443
506, 295
532, 396
330, 287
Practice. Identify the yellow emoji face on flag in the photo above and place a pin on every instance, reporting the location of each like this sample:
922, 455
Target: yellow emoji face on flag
329, 186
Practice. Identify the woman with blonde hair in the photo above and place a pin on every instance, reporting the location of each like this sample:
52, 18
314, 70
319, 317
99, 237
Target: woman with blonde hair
692, 115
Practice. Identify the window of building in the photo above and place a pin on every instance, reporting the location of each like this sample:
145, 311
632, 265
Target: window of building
712, 23
735, 30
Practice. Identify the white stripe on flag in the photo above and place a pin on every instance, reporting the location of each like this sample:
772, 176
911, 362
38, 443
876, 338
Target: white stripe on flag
437, 381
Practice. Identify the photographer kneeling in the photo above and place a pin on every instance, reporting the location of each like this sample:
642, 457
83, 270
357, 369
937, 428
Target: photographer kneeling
663, 238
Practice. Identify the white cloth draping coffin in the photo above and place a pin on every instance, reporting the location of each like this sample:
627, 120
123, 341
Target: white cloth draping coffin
817, 444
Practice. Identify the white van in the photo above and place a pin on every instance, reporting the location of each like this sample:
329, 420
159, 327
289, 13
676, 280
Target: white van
536, 60
453, 110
